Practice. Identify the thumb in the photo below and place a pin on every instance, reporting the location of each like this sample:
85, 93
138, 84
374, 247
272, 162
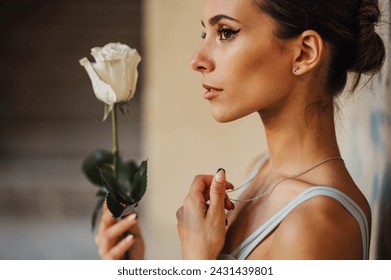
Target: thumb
217, 193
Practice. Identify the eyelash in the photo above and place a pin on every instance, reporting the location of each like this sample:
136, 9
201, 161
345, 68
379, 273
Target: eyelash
227, 32
224, 32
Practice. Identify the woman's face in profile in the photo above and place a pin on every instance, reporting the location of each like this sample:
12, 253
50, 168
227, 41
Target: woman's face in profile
243, 68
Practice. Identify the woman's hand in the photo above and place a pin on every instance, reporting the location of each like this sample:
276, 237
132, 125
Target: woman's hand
202, 226
110, 238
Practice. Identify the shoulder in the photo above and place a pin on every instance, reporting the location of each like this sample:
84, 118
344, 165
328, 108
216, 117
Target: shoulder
257, 161
320, 228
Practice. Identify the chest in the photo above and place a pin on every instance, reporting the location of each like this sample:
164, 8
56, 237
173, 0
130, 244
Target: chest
245, 219
250, 216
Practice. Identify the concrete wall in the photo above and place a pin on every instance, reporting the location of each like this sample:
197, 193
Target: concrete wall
49, 121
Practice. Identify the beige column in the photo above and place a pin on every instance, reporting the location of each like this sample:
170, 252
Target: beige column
181, 139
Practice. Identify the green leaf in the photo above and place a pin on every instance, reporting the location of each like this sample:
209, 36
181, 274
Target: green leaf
97, 209
140, 182
114, 187
115, 207
125, 190
126, 172
97, 160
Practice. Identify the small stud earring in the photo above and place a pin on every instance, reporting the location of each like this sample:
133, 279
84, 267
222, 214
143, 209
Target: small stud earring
296, 69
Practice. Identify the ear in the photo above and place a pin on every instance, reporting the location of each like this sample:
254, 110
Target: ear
309, 52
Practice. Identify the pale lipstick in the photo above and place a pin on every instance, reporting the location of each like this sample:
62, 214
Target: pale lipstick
211, 92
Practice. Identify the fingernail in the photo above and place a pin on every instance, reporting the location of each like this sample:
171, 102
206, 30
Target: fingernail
220, 175
132, 217
130, 237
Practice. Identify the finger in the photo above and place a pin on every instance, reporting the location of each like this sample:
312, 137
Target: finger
229, 186
198, 195
179, 214
106, 222
107, 217
121, 227
218, 194
228, 204
109, 238
201, 184
119, 250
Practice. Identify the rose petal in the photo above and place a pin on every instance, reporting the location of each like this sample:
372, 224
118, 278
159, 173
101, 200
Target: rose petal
116, 65
102, 90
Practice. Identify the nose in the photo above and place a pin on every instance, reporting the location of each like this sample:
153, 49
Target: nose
201, 60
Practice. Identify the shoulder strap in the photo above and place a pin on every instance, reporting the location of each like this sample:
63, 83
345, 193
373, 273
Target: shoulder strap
250, 243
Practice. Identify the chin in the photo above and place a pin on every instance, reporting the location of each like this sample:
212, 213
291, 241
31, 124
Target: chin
223, 118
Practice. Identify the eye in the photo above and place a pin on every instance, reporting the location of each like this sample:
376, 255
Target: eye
203, 35
226, 34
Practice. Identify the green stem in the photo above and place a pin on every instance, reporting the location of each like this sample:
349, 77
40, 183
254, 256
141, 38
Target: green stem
114, 125
115, 139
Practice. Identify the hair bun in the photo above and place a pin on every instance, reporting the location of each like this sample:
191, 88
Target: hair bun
370, 47
369, 15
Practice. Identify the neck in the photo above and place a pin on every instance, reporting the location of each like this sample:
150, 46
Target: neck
297, 139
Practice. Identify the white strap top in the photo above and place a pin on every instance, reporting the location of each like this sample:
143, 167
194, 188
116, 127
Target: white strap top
252, 241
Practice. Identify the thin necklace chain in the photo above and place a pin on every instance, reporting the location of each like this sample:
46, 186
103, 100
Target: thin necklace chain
276, 183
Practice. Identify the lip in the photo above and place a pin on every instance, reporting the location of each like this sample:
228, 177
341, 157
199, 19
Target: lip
211, 91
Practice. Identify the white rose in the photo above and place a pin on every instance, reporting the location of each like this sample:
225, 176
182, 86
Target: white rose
114, 73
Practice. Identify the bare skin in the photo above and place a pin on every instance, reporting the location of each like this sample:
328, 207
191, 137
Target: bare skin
246, 70
110, 237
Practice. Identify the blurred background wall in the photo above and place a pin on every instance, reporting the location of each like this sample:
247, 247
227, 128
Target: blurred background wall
49, 121
365, 137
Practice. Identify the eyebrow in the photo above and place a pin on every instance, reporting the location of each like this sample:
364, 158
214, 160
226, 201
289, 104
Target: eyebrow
215, 19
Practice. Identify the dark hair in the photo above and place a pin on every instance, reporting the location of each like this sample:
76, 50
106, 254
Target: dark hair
347, 26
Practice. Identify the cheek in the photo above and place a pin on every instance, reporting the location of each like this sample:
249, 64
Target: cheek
264, 69
259, 82
243, 64
253, 78
249, 75
237, 71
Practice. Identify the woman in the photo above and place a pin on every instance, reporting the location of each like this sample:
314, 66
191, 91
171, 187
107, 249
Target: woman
286, 60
